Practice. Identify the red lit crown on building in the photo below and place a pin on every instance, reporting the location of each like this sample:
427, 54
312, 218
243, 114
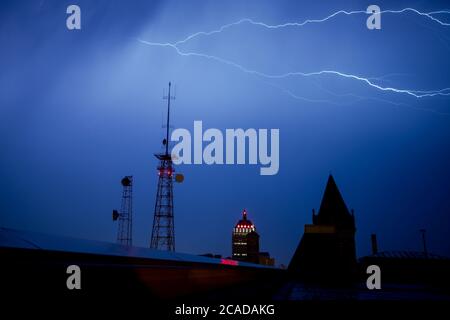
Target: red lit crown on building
244, 225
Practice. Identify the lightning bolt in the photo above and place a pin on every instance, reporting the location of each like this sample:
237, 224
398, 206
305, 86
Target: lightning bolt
428, 15
414, 93
365, 80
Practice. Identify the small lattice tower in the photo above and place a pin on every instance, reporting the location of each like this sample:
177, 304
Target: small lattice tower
125, 215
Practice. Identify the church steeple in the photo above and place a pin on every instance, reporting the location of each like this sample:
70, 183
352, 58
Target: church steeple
333, 210
329, 240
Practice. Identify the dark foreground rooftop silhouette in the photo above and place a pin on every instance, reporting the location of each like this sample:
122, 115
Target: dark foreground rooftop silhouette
324, 267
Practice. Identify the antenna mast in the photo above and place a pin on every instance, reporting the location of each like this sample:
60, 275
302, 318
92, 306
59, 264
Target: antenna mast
163, 231
168, 97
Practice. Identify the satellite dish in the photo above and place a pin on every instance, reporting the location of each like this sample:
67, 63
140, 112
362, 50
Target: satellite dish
179, 178
115, 215
126, 181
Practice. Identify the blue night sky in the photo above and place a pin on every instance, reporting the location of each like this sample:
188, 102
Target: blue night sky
80, 109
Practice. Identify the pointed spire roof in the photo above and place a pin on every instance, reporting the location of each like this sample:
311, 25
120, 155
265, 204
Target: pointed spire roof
333, 210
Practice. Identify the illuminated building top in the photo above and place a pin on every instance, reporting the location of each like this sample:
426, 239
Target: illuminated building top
244, 225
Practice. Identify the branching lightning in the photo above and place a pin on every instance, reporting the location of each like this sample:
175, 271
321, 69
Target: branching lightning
414, 93
364, 80
428, 15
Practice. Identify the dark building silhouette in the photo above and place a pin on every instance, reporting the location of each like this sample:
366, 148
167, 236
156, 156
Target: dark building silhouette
265, 259
245, 241
408, 267
327, 249
211, 255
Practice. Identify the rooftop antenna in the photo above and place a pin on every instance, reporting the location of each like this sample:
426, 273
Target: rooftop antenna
125, 215
168, 97
163, 231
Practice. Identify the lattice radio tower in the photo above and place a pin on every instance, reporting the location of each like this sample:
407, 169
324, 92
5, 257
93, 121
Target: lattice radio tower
125, 215
163, 232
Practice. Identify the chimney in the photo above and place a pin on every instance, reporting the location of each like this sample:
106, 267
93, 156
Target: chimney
373, 239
